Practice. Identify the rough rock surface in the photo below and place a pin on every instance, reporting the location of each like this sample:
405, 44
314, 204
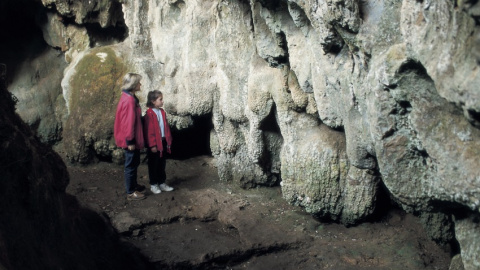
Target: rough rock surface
359, 94
466, 231
91, 92
38, 89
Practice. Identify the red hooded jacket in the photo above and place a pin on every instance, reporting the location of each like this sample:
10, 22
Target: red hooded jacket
151, 130
127, 129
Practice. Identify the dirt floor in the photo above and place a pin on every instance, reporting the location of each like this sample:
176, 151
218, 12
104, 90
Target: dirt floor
208, 224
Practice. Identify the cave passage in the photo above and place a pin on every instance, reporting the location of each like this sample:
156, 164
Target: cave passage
193, 141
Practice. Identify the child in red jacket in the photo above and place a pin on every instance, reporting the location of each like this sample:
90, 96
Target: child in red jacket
158, 139
128, 133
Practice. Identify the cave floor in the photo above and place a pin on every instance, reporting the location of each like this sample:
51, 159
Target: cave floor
208, 224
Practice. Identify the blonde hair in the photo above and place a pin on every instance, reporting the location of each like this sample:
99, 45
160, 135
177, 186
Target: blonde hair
130, 81
152, 96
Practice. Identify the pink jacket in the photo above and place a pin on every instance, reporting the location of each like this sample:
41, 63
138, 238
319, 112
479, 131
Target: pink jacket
127, 129
151, 130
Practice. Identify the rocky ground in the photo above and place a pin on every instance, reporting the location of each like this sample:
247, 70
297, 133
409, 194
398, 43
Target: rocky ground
208, 224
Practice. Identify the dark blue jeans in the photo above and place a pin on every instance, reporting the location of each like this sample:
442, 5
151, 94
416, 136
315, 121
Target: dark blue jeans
132, 160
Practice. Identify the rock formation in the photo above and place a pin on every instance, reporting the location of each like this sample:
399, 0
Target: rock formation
332, 99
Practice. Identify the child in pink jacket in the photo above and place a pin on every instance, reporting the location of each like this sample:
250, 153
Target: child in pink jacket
128, 133
158, 140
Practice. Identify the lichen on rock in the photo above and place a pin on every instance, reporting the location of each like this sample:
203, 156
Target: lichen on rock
95, 88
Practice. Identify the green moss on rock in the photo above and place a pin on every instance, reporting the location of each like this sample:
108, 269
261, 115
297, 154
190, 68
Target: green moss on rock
95, 90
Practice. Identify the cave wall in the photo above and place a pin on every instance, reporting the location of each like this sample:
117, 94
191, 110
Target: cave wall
361, 94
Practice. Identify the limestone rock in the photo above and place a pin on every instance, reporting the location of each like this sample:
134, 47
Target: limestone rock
40, 101
439, 227
70, 38
468, 235
456, 263
93, 93
104, 12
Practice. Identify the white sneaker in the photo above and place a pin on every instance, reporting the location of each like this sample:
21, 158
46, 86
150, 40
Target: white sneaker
165, 187
155, 189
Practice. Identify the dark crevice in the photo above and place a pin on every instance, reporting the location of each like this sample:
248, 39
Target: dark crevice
20, 33
270, 122
405, 107
102, 158
383, 203
281, 60
338, 128
459, 210
101, 36
470, 7
333, 43
282, 43
245, 2
474, 118
193, 141
106, 36
476, 19
388, 87
473, 2
423, 153
238, 257
273, 5
405, 104
117, 32
270, 125
335, 48
362, 6
34, 126
415, 66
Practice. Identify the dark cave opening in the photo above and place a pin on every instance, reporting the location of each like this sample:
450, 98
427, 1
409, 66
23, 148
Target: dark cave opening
270, 159
474, 118
115, 32
414, 66
270, 122
273, 5
193, 141
106, 36
20, 33
383, 204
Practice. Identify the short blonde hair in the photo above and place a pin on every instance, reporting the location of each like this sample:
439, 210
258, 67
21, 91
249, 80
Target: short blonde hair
130, 81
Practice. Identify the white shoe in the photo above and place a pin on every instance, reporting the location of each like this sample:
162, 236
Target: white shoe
155, 189
165, 187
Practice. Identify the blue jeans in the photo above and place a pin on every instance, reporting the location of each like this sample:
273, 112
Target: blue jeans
132, 160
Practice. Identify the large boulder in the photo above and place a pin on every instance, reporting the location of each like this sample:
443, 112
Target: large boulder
92, 88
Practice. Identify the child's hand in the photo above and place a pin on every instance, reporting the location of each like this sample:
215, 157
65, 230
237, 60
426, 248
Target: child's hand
131, 147
169, 150
154, 149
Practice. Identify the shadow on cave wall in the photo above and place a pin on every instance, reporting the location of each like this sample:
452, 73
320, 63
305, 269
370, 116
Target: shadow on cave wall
21, 36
